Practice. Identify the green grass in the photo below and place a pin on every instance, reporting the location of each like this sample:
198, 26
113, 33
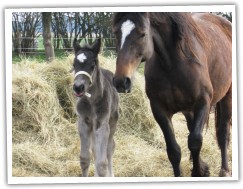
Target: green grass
141, 68
40, 43
39, 55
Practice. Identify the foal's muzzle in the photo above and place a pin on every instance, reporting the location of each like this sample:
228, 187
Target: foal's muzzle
79, 89
122, 85
82, 81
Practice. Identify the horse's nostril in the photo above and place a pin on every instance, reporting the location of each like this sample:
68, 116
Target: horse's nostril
122, 85
127, 84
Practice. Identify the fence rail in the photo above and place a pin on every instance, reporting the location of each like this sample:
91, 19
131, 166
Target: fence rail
33, 45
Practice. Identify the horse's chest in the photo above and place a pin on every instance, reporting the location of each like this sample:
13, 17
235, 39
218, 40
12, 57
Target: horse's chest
170, 93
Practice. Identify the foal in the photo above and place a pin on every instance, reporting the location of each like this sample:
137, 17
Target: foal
97, 109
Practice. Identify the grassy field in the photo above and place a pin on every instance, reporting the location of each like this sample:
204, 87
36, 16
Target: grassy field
39, 56
44, 132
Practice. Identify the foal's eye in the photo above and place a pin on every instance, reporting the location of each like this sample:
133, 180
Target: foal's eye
93, 65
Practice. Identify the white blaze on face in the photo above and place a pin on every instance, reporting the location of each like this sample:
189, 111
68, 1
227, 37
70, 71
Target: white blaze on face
126, 29
81, 57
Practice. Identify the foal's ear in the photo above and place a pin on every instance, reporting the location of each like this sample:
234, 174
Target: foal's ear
76, 45
96, 46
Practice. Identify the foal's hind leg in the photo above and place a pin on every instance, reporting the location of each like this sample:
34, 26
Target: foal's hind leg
224, 114
111, 144
110, 151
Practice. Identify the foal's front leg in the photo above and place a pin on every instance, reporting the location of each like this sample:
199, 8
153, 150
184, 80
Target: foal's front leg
101, 135
84, 133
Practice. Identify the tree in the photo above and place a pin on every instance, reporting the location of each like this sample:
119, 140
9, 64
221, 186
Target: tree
63, 26
227, 15
26, 28
46, 22
82, 25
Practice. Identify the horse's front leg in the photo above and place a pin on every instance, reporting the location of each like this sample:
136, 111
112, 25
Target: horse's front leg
163, 118
85, 138
195, 139
101, 136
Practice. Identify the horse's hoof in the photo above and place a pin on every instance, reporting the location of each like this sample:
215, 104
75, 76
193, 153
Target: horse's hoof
224, 173
202, 172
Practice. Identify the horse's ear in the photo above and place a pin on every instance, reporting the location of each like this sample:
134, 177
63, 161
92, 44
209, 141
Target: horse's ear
76, 45
145, 14
96, 46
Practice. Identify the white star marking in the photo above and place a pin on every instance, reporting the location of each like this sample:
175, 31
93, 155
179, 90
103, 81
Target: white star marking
126, 29
81, 57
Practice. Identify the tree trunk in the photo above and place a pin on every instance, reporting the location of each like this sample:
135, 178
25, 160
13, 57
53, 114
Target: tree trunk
46, 20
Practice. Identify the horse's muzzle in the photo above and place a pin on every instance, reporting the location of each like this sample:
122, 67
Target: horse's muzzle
122, 85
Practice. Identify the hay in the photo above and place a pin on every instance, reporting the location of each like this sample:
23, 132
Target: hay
31, 109
58, 74
45, 137
36, 111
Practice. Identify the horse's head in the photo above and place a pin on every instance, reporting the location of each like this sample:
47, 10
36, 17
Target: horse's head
85, 65
134, 44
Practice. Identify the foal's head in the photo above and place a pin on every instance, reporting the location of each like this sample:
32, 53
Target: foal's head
85, 66
134, 44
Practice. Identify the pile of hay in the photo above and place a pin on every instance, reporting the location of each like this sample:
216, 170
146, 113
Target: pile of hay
45, 137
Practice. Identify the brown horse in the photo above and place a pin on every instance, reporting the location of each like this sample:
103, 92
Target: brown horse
188, 69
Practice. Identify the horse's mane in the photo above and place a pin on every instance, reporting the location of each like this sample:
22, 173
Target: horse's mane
136, 17
183, 29
182, 23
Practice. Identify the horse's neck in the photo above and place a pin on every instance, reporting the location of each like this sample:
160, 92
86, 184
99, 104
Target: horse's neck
163, 49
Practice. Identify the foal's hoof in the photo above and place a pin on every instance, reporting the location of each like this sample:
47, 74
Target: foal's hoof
224, 173
202, 172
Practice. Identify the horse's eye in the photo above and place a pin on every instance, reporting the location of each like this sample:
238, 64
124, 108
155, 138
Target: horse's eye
138, 55
142, 35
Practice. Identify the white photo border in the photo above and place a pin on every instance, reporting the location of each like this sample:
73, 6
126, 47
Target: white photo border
45, 180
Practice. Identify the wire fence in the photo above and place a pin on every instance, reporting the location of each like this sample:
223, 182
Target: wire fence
31, 45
